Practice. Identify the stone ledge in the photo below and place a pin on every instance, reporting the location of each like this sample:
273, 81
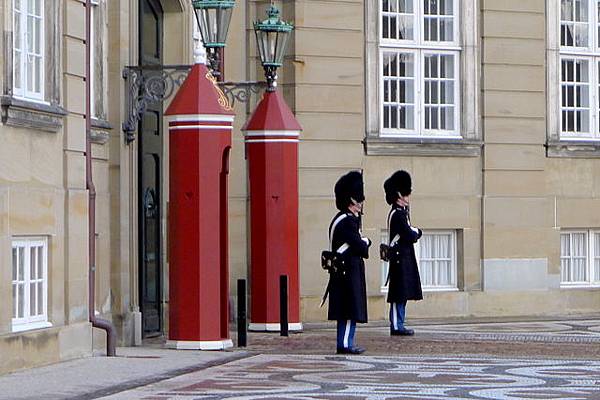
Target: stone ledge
383, 146
29, 114
99, 131
573, 149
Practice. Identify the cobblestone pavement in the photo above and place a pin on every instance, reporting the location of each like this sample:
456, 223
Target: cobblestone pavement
304, 377
504, 360
538, 339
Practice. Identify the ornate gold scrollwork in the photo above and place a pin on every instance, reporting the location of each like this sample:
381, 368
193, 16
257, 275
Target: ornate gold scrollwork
223, 102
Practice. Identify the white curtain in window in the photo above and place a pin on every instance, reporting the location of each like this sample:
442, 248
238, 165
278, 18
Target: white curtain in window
597, 256
579, 257
427, 260
435, 260
574, 16
565, 257
443, 255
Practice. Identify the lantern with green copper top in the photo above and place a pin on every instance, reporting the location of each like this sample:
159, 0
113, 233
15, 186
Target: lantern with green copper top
272, 36
213, 18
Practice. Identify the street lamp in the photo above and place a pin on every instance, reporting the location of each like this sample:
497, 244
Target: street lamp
155, 83
272, 36
213, 18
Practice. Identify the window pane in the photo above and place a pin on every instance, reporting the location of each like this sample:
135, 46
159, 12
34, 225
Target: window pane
596, 259
17, 48
397, 19
32, 299
15, 300
15, 275
40, 264
37, 88
574, 23
444, 273
575, 96
17, 30
20, 300
398, 90
579, 245
21, 257
439, 90
436, 259
565, 245
32, 264
427, 273
438, 20
40, 299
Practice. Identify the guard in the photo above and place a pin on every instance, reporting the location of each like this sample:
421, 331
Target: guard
347, 287
403, 275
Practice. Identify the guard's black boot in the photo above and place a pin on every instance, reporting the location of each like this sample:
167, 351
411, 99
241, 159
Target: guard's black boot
350, 350
402, 332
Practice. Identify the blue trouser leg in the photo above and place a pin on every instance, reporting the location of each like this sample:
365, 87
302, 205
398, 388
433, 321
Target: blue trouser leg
352, 332
397, 315
345, 333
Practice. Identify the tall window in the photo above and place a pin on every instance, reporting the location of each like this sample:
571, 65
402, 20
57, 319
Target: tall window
29, 284
436, 257
93, 54
420, 59
580, 69
28, 49
580, 258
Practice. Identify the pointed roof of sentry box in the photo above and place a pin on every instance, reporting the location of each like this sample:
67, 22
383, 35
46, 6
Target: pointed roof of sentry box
199, 95
272, 114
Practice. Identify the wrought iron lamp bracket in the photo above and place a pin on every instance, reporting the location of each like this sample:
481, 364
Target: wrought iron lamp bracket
153, 84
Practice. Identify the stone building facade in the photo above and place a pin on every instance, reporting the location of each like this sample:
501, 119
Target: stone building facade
492, 105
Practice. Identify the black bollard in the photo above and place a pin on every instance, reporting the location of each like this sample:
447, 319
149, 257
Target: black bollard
242, 327
283, 304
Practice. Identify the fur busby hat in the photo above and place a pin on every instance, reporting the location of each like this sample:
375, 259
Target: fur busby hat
348, 187
399, 182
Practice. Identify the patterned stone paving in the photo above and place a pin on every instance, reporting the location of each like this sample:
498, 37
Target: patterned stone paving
308, 377
584, 331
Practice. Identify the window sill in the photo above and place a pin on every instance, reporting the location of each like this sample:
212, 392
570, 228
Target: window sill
579, 286
31, 114
405, 146
31, 326
100, 128
573, 148
439, 290
384, 289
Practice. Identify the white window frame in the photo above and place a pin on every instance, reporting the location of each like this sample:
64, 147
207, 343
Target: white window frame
557, 53
22, 92
421, 48
592, 281
453, 287
592, 83
93, 51
28, 322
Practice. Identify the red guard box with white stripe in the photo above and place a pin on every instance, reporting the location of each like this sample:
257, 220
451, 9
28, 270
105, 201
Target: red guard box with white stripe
272, 136
200, 124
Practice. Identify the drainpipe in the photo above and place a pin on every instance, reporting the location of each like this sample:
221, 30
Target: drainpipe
111, 334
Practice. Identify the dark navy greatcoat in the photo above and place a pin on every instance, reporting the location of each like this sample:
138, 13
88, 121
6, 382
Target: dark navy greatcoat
405, 282
348, 289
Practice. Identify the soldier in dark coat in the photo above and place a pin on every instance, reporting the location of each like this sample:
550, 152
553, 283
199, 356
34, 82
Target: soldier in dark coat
347, 286
404, 279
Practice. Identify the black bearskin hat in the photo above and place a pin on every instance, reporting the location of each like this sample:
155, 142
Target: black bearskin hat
348, 187
399, 182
